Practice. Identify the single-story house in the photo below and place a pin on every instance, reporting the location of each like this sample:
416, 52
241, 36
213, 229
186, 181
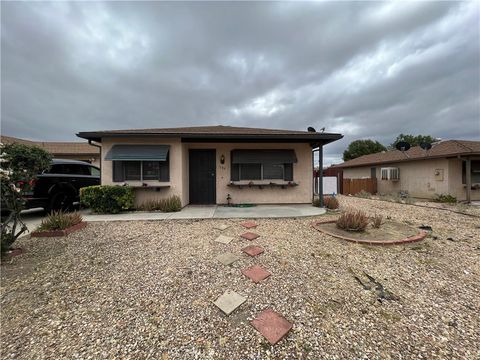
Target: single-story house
63, 150
450, 167
212, 164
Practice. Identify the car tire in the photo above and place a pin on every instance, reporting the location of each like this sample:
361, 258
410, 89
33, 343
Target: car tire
60, 201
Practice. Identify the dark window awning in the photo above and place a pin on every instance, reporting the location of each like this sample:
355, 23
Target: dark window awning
262, 156
138, 152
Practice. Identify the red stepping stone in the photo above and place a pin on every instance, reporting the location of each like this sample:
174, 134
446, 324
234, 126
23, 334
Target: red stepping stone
253, 250
271, 325
249, 224
250, 236
256, 273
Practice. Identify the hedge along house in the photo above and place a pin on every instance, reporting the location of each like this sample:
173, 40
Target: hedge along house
450, 167
212, 164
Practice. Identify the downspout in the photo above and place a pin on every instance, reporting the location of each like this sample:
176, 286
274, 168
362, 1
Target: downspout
468, 177
320, 178
100, 147
320, 174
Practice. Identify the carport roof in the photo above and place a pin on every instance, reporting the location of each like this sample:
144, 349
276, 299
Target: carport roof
218, 133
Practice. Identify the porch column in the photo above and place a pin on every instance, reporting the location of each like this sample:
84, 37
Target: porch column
320, 174
468, 177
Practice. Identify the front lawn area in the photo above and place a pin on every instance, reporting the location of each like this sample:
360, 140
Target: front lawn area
146, 289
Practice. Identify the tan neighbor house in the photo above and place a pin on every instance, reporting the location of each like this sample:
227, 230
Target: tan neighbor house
212, 164
424, 174
63, 150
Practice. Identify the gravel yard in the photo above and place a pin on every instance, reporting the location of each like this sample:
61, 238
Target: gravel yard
145, 290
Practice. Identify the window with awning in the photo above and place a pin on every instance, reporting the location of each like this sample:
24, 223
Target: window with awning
138, 153
139, 162
271, 164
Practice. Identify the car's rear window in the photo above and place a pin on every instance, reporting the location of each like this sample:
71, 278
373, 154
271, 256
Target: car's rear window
70, 169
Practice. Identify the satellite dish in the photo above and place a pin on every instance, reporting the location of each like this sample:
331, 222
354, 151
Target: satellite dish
402, 146
425, 146
311, 129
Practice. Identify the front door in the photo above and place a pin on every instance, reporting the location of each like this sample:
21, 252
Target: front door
202, 179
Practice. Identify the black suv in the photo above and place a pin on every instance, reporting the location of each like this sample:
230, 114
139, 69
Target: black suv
59, 187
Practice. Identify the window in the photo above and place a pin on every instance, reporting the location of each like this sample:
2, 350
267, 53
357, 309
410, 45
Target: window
390, 173
273, 171
264, 171
132, 170
250, 171
475, 165
140, 170
262, 164
69, 169
94, 171
150, 170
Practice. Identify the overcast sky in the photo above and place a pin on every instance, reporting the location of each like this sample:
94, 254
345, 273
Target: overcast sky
364, 69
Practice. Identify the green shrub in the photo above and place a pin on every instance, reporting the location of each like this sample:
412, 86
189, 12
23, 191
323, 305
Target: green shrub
331, 202
58, 220
107, 199
363, 194
170, 204
446, 199
353, 221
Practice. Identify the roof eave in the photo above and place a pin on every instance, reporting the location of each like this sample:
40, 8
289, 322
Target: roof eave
309, 138
407, 159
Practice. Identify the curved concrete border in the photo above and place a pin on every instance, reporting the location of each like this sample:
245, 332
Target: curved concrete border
420, 236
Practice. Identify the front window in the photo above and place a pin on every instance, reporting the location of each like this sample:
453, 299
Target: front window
261, 171
150, 170
140, 170
132, 170
250, 171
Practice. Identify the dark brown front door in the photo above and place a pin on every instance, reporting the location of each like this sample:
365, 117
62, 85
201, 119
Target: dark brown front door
202, 177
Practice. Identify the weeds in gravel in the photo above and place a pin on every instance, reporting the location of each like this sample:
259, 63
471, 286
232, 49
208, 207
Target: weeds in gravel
364, 194
170, 204
59, 220
449, 199
329, 202
353, 220
376, 221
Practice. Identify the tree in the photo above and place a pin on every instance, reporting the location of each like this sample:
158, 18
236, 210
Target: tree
19, 166
362, 147
413, 140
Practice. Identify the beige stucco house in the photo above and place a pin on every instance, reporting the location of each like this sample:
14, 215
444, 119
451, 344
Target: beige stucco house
450, 167
212, 164
62, 149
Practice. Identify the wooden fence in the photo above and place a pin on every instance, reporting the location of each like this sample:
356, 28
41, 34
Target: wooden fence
354, 186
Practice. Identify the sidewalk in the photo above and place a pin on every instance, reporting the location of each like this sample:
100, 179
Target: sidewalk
213, 212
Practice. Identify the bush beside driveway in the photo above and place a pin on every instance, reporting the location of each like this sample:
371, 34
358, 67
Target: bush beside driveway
136, 289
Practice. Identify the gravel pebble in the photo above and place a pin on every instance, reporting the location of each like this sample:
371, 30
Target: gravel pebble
145, 289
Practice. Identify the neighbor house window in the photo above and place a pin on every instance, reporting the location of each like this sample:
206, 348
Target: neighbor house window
475, 166
390, 173
262, 164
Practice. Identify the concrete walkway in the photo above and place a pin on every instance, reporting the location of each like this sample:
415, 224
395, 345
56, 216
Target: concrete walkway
214, 212
34, 217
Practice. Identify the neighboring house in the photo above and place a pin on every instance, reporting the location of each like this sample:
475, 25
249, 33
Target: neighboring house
450, 167
63, 150
212, 164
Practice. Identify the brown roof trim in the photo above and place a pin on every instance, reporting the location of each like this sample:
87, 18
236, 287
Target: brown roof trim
219, 134
403, 160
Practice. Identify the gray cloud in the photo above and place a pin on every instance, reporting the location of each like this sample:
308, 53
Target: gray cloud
368, 70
